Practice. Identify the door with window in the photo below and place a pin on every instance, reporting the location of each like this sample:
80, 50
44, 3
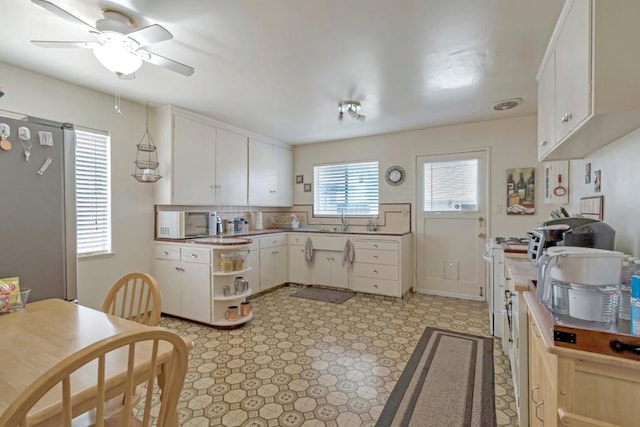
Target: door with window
451, 224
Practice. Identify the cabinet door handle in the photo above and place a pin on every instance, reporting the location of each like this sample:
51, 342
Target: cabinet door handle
375, 271
375, 286
194, 256
539, 404
533, 390
165, 252
375, 246
543, 143
375, 257
566, 118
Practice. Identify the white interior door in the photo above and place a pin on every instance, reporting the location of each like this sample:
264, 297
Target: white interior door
451, 224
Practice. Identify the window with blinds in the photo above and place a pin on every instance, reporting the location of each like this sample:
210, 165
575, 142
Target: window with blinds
348, 187
451, 186
93, 192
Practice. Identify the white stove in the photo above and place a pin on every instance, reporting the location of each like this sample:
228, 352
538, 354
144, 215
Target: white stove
494, 255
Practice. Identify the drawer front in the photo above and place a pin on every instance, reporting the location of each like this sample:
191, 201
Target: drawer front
376, 286
329, 243
273, 241
377, 257
298, 239
167, 252
375, 271
384, 245
196, 255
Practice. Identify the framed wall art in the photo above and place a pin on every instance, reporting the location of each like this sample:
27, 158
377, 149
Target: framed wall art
299, 179
521, 183
587, 173
597, 181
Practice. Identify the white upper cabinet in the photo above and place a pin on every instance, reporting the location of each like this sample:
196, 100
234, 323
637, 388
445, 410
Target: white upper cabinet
194, 171
270, 174
588, 94
205, 162
231, 168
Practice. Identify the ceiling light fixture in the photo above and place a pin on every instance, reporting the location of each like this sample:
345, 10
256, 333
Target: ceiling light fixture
116, 53
507, 104
352, 108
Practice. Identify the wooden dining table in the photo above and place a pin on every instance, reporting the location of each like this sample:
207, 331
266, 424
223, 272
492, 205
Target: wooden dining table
46, 332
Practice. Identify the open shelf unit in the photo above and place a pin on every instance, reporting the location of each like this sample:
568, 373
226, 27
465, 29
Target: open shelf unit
220, 279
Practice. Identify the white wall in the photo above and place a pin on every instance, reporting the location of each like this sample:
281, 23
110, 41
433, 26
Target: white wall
619, 163
34, 94
512, 143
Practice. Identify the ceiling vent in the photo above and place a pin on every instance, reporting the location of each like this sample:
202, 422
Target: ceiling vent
507, 104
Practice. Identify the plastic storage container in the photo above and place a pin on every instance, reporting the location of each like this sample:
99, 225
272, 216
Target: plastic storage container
226, 262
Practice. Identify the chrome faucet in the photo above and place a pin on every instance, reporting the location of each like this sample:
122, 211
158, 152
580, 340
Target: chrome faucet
343, 221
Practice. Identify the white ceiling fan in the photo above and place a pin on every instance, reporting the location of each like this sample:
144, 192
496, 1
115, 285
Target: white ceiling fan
119, 47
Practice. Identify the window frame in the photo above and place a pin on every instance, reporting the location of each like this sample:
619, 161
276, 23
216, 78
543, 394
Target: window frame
317, 187
89, 141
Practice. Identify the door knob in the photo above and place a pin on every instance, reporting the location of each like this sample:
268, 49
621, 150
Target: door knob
480, 219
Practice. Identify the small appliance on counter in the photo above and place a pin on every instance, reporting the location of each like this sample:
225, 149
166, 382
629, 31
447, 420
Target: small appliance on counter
573, 231
580, 286
186, 225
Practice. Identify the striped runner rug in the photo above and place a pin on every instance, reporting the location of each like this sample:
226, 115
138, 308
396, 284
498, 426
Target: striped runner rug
448, 382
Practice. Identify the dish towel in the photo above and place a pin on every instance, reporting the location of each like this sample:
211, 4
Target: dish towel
308, 251
348, 254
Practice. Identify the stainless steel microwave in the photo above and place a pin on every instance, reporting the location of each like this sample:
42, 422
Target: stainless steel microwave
185, 225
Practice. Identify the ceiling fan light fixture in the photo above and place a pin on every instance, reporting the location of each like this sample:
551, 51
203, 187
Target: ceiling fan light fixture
117, 60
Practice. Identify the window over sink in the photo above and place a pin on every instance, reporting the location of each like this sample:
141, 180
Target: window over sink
349, 188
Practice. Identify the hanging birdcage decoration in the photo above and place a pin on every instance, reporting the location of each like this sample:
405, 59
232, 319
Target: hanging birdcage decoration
146, 163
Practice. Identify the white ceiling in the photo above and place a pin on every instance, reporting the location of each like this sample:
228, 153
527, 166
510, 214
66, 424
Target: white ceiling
280, 67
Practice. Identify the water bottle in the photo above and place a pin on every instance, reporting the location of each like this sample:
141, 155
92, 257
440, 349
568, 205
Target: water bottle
624, 308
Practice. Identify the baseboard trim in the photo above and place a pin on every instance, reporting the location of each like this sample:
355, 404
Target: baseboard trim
450, 295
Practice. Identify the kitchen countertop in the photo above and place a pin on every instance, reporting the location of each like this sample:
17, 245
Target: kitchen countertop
523, 271
225, 239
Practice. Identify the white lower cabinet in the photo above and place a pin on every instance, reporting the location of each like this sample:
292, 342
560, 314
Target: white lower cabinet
253, 260
297, 261
192, 282
383, 265
328, 269
184, 278
273, 261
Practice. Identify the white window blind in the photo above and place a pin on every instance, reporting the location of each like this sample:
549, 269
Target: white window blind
451, 186
93, 192
348, 187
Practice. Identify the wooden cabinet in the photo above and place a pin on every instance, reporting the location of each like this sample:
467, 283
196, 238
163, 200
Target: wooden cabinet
184, 281
588, 96
542, 381
273, 261
569, 387
270, 174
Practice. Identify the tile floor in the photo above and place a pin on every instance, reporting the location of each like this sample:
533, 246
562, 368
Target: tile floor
308, 363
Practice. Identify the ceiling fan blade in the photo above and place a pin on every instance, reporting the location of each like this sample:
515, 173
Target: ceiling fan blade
152, 34
63, 14
51, 43
170, 64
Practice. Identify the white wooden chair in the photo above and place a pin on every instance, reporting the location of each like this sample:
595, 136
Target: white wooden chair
136, 297
136, 351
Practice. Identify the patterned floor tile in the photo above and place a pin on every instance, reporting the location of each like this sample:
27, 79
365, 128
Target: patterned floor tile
308, 363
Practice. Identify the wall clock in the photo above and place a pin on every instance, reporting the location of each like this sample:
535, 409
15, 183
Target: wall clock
395, 175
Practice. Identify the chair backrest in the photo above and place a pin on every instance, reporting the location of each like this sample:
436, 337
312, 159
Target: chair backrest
137, 353
136, 297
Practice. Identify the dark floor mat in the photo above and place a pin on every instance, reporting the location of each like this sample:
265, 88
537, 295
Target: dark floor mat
324, 294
